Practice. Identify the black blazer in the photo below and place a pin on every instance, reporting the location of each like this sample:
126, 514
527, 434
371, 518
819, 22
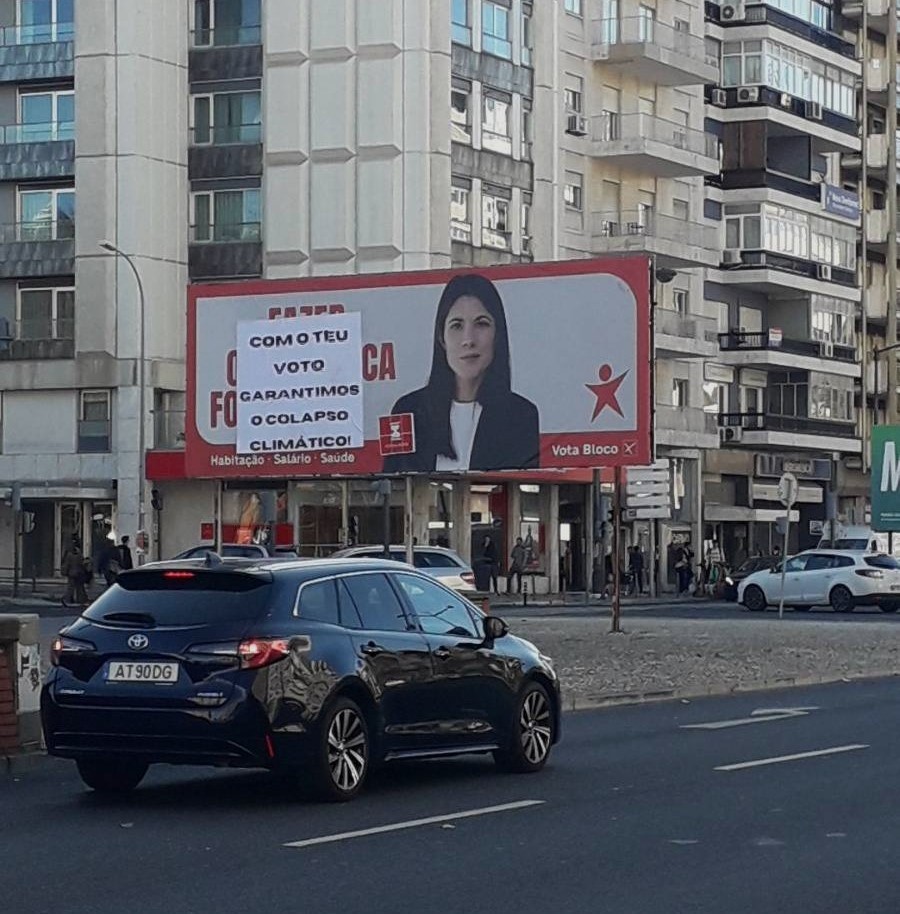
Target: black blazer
507, 437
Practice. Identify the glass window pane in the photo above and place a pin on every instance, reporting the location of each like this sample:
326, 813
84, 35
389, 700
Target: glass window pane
37, 108
36, 314
65, 214
378, 606
438, 611
36, 212
201, 119
318, 602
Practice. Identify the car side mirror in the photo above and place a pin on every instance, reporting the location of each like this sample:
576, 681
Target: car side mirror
494, 628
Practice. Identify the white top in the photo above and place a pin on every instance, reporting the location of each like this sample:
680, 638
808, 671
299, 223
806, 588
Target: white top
463, 425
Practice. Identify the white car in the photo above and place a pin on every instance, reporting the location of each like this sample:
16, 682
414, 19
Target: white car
841, 579
436, 561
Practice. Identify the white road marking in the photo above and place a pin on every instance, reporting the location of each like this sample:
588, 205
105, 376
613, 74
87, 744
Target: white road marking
790, 758
759, 716
415, 823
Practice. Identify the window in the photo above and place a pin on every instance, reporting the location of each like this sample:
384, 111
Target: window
46, 215
573, 191
751, 399
495, 30
679, 392
376, 603
527, 37
715, 397
797, 563
93, 422
45, 116
460, 213
439, 611
227, 215
495, 122
833, 320
574, 7
460, 111
609, 21
227, 22
41, 21
680, 301
818, 562
681, 209
646, 19
460, 29
526, 224
526, 128
495, 230
574, 94
45, 314
318, 602
227, 117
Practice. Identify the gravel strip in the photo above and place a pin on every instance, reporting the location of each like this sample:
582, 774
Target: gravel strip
669, 658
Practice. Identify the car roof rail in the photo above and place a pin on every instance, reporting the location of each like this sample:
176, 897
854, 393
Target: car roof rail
213, 560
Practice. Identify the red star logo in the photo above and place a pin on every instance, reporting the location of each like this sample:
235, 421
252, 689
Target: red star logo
606, 391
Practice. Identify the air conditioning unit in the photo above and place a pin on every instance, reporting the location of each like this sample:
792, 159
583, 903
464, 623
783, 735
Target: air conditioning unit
732, 12
577, 125
813, 110
719, 97
785, 100
823, 271
748, 95
826, 349
730, 434
731, 256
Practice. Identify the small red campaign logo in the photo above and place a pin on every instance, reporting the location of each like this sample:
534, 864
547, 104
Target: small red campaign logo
397, 434
606, 391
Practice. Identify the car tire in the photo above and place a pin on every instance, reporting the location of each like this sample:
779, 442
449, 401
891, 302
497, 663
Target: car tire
889, 607
755, 599
110, 777
531, 732
841, 599
342, 755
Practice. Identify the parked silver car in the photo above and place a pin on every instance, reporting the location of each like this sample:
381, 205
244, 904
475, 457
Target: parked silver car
440, 563
239, 551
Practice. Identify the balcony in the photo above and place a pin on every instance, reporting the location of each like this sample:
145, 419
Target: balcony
676, 243
762, 14
762, 178
773, 272
35, 151
788, 432
769, 349
232, 151
225, 251
37, 52
654, 145
225, 53
37, 339
685, 426
654, 52
878, 229
37, 249
684, 335
168, 431
876, 157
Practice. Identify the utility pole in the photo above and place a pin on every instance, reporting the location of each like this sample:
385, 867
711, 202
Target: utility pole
891, 199
616, 564
864, 249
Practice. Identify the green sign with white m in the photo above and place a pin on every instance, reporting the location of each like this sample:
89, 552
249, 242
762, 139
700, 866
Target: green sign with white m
886, 478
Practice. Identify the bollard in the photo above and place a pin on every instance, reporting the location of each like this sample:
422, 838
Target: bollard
525, 592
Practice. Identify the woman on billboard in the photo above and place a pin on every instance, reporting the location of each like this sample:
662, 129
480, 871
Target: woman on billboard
467, 416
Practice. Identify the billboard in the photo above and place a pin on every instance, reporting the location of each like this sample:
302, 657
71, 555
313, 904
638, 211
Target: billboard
885, 478
505, 368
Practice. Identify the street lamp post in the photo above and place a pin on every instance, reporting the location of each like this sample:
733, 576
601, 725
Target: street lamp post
142, 388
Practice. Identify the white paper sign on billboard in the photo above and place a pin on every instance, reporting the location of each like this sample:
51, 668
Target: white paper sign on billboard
299, 388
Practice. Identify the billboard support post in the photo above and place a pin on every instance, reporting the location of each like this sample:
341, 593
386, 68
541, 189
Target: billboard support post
617, 564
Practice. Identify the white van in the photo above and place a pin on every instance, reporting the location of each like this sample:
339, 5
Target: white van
857, 539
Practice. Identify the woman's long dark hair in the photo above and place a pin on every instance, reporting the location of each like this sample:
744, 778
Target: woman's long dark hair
496, 383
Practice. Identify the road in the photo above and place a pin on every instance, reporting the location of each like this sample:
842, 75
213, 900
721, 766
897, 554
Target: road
640, 811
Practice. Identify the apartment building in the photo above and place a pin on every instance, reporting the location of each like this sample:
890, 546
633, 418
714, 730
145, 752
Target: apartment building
275, 139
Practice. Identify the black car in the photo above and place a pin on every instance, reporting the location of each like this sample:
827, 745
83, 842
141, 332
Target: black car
316, 668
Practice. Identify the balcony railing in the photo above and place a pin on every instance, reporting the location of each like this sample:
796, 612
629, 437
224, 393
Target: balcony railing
227, 36
640, 30
625, 224
61, 230
223, 232
690, 420
610, 127
48, 33
16, 134
766, 422
229, 134
690, 327
734, 341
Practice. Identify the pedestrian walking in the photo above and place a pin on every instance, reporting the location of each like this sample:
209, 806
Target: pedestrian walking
125, 561
636, 568
684, 568
73, 569
490, 558
516, 566
108, 562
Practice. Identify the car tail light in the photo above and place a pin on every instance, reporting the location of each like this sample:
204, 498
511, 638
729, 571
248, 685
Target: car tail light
260, 652
869, 573
180, 575
468, 577
62, 645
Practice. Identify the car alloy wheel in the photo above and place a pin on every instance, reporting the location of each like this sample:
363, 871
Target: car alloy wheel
342, 760
841, 599
754, 598
532, 736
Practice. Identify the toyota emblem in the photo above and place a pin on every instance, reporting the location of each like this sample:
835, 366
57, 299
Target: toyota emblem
138, 642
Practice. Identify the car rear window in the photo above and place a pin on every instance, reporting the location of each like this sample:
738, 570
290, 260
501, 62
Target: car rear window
180, 597
435, 560
881, 561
